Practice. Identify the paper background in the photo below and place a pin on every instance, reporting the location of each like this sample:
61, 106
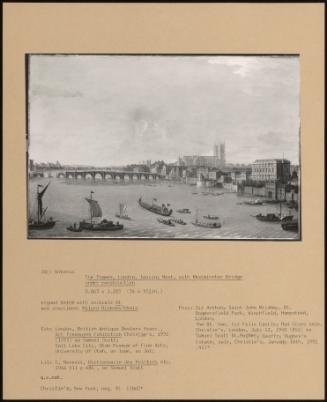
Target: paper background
274, 272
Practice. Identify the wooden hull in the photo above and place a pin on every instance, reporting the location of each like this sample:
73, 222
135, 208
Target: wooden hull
291, 226
271, 219
101, 227
211, 217
179, 222
215, 225
74, 230
123, 217
167, 223
155, 209
41, 225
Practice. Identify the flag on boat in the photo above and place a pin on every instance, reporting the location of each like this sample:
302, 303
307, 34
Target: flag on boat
95, 208
41, 194
39, 199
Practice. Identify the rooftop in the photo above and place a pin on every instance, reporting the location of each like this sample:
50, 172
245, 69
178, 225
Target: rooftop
271, 160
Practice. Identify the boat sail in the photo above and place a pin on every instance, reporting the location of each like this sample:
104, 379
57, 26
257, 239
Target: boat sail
122, 211
96, 212
39, 223
95, 209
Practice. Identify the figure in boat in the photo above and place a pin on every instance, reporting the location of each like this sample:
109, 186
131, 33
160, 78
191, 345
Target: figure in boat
183, 211
178, 220
274, 218
292, 225
168, 222
211, 225
253, 202
40, 223
270, 217
74, 227
155, 208
96, 212
212, 217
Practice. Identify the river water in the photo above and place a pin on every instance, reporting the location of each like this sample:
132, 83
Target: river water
66, 204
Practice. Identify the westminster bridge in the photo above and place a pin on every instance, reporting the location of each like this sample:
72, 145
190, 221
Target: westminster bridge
96, 174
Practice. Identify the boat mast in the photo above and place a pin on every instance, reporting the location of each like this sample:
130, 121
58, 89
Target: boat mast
280, 201
38, 204
39, 195
91, 192
280, 208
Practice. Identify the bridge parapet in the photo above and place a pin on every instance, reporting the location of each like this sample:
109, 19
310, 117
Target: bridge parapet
107, 175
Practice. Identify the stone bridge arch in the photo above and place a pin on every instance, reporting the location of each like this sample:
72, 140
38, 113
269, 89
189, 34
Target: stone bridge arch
98, 176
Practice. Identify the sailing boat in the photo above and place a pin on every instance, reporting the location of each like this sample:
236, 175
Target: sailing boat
122, 212
40, 223
96, 212
210, 225
157, 209
269, 217
285, 218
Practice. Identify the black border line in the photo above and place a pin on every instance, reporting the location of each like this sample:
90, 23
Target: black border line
27, 116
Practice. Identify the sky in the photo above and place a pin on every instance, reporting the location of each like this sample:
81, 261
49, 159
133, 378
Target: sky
115, 110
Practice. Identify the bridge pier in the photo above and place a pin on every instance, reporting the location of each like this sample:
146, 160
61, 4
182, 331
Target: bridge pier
104, 175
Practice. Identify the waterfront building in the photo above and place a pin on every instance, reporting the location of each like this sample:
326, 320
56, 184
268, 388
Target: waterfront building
239, 176
31, 165
213, 175
230, 187
202, 171
271, 170
154, 169
217, 160
163, 170
175, 172
216, 151
222, 154
294, 169
275, 190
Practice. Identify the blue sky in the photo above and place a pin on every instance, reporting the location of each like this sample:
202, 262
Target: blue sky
114, 110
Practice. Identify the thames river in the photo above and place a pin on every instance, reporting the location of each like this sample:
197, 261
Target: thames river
66, 204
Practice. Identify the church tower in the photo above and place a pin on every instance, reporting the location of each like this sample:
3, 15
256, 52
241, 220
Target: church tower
222, 153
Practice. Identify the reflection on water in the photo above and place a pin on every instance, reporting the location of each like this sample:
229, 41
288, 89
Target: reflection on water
66, 204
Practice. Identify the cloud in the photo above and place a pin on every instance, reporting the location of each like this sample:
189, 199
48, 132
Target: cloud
42, 90
273, 138
242, 66
138, 108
